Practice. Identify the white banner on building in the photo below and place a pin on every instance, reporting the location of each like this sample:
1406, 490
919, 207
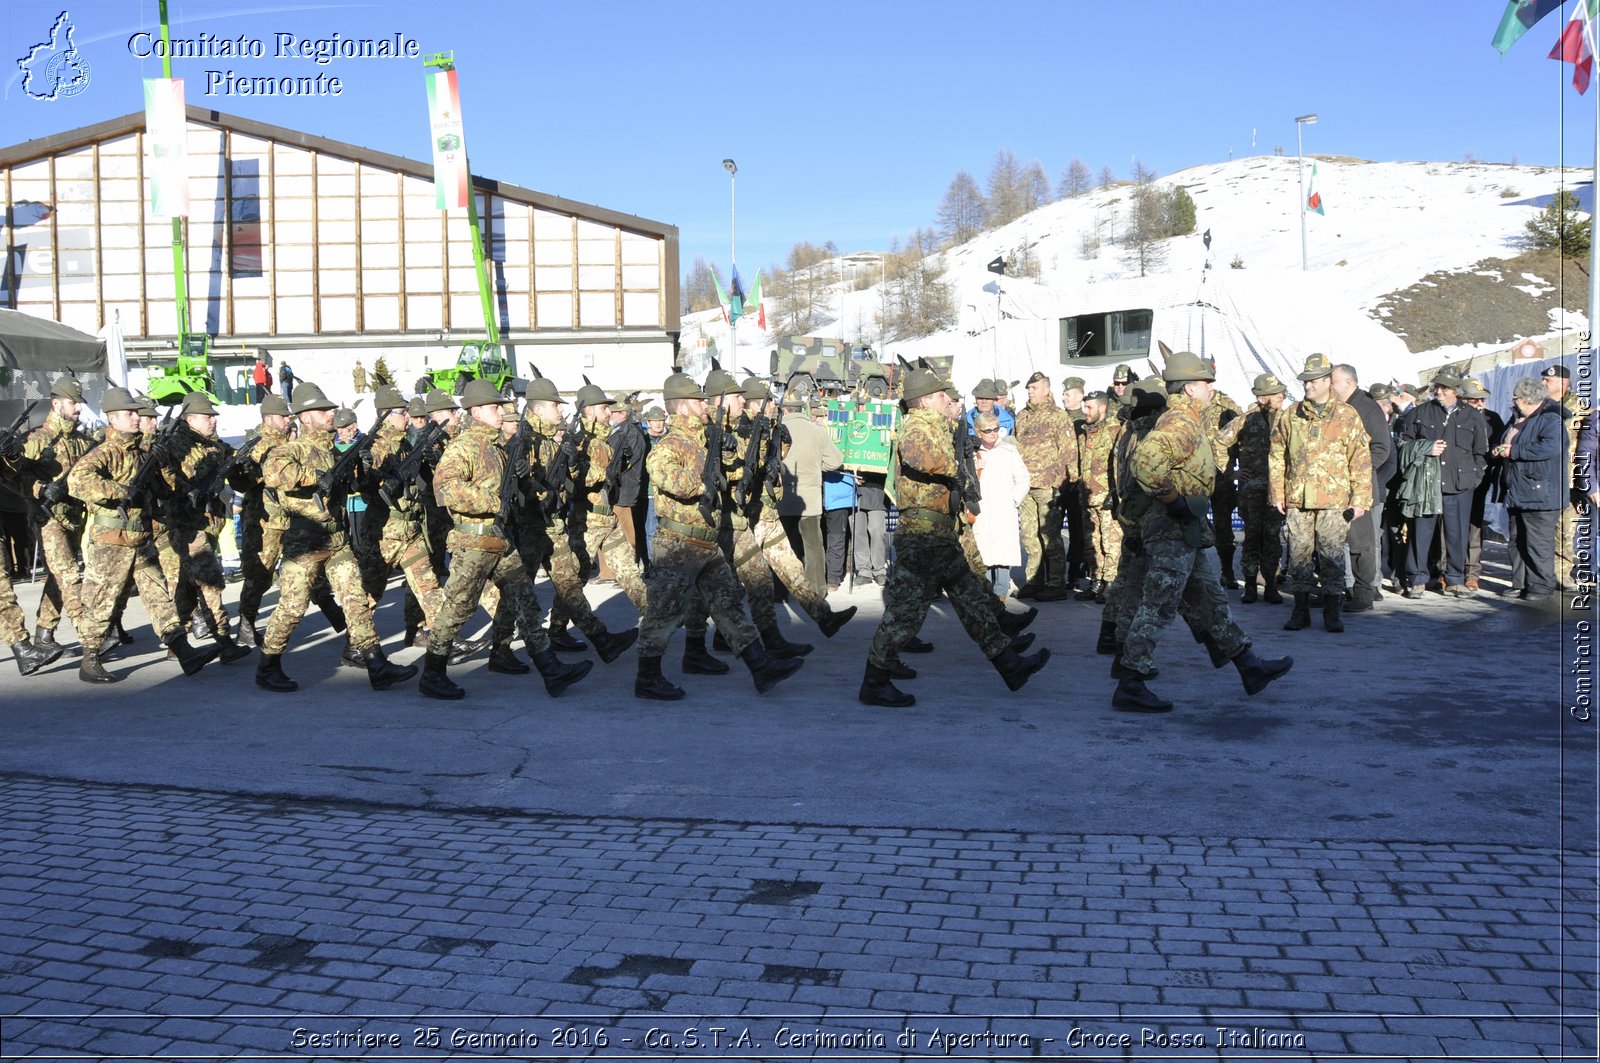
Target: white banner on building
167, 147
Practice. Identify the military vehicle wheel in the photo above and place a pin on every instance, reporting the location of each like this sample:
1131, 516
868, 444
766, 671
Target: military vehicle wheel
423, 384
801, 384
461, 383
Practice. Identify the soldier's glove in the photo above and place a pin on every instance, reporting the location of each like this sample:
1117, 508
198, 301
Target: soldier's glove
365, 459
12, 451
391, 488
325, 484
521, 466
730, 443
53, 493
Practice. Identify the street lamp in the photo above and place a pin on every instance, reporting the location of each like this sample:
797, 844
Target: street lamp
1299, 152
733, 259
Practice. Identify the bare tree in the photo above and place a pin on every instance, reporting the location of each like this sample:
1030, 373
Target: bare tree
1035, 187
699, 289
1107, 178
919, 301
1147, 222
803, 288
1075, 180
1005, 188
963, 212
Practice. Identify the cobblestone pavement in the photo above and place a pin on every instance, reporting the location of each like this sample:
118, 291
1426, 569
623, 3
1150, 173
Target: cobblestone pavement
138, 922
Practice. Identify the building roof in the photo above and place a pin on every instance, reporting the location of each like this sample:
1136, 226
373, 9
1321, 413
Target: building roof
43, 147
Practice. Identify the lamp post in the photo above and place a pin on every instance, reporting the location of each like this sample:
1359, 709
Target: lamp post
733, 259
1299, 155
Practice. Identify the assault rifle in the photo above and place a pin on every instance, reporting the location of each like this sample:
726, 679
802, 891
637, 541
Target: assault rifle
398, 484
154, 460
11, 438
207, 489
563, 480
334, 485
517, 466
965, 493
763, 458
712, 479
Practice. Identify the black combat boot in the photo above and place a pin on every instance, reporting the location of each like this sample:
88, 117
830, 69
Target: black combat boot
916, 645
1301, 617
1015, 669
766, 671
876, 689
1361, 599
1249, 596
1022, 642
201, 625
31, 657
837, 618
350, 657
1050, 593
696, 661
230, 649
1133, 696
1226, 578
110, 643
564, 640
383, 673
1122, 671
1257, 673
45, 639
190, 658
413, 625
557, 675
1016, 623
503, 660
1269, 591
1107, 642
1332, 605
248, 632
718, 643
435, 682
89, 669
651, 684
899, 669
1218, 658
270, 675
609, 646
780, 648
464, 649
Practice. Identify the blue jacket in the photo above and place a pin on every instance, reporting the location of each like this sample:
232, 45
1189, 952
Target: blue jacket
1536, 469
1008, 421
838, 490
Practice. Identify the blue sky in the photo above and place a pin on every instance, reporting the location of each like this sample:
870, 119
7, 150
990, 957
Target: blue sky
848, 119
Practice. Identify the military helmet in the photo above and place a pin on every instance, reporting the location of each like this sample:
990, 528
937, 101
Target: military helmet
197, 402
1473, 389
67, 388
310, 397
1148, 394
1317, 367
274, 406
1446, 380
344, 418
1267, 384
1185, 366
480, 393
1124, 374
679, 386
1381, 391
591, 395
986, 389
543, 390
435, 401
388, 398
655, 413
117, 399
755, 389
147, 406
721, 382
1073, 382
508, 413
417, 407
921, 382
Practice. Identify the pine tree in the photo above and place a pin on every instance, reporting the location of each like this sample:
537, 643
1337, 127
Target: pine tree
1075, 180
963, 213
381, 374
1179, 212
1559, 227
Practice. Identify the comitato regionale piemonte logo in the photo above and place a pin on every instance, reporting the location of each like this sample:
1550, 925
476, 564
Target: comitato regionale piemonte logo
54, 67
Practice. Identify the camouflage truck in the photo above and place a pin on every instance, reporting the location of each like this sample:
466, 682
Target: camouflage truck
806, 365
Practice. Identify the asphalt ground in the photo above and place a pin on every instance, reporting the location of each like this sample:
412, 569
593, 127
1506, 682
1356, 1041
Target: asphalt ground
1390, 852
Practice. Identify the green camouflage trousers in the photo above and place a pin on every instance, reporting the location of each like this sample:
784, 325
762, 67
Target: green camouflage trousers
1122, 596
300, 572
516, 606
396, 549
602, 537
1316, 548
1045, 558
63, 586
780, 557
1263, 533
193, 571
109, 568
924, 566
970, 551
683, 569
1105, 532
13, 623
759, 555
539, 547
1179, 575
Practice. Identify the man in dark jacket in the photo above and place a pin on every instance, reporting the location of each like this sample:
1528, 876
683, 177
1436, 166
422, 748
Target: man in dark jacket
1365, 545
628, 450
1460, 444
1534, 449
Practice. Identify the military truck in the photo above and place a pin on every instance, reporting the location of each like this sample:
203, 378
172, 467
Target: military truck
806, 365
478, 360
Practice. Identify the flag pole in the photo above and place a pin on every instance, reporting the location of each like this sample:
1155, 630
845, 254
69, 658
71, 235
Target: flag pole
1594, 194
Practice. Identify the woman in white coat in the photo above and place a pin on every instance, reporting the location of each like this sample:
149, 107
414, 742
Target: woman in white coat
1002, 485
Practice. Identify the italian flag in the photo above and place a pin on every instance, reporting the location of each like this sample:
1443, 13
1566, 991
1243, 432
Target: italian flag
1313, 197
1576, 43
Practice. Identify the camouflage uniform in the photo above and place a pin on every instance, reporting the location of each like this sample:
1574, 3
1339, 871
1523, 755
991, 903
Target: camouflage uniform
928, 552
264, 524
1177, 459
1223, 423
686, 558
467, 483
602, 537
50, 452
189, 557
314, 544
394, 536
13, 622
1095, 446
1263, 524
549, 545
1319, 466
119, 547
1048, 445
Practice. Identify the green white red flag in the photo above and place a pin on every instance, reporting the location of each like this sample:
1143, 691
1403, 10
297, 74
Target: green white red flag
1576, 45
1313, 196
166, 134
450, 180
